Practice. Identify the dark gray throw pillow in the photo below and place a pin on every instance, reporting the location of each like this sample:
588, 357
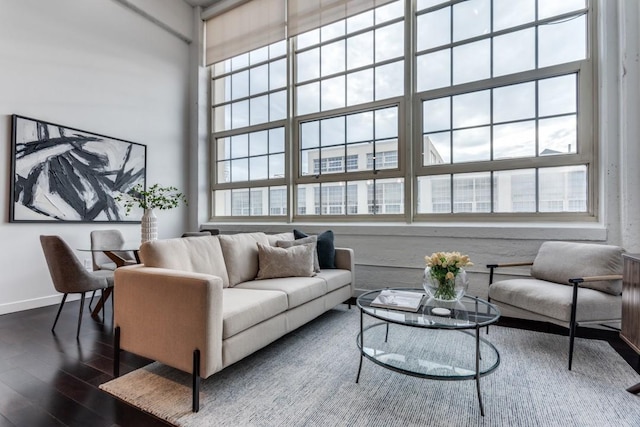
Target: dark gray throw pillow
324, 246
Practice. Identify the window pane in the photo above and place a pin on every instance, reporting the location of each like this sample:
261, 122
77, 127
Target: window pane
333, 58
306, 199
333, 93
308, 98
361, 152
259, 108
239, 146
276, 166
309, 159
360, 127
278, 105
573, 46
470, 19
510, 13
470, 145
514, 140
222, 118
240, 85
308, 65
389, 11
434, 70
436, 148
278, 74
332, 31
390, 42
310, 134
563, 189
472, 192
433, 29
278, 200
259, 79
239, 170
258, 143
308, 39
278, 49
359, 87
332, 131
360, 21
386, 123
558, 136
239, 114
389, 80
222, 202
471, 109
514, 191
434, 194
549, 8
259, 168
436, 115
515, 102
222, 90
471, 62
514, 52
360, 50
558, 95
224, 171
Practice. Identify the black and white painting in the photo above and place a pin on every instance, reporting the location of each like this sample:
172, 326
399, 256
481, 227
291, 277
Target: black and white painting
65, 174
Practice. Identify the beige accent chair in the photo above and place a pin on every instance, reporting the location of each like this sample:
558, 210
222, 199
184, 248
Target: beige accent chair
571, 284
69, 275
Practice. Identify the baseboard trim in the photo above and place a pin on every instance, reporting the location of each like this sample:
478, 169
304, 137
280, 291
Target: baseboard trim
29, 304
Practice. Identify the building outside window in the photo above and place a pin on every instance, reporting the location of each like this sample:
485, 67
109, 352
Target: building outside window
500, 106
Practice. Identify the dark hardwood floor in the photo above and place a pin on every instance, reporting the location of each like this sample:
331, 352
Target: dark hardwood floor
52, 380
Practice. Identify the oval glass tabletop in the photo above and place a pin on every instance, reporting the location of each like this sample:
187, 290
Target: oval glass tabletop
467, 313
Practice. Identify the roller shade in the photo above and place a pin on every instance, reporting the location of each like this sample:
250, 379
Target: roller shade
305, 15
251, 25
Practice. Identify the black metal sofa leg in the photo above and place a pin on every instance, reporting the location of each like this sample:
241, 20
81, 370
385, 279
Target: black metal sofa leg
196, 381
116, 352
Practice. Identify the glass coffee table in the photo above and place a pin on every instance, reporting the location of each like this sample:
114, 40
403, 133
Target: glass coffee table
444, 346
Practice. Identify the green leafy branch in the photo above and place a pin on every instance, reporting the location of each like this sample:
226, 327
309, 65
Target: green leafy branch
155, 197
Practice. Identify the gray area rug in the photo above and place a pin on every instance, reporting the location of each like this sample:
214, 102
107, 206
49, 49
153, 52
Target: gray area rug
307, 378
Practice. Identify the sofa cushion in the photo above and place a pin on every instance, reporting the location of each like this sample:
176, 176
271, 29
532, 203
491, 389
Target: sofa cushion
553, 300
241, 255
326, 248
299, 290
194, 254
243, 308
335, 278
303, 241
296, 261
273, 238
560, 261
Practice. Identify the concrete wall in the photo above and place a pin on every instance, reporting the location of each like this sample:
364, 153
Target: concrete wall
102, 67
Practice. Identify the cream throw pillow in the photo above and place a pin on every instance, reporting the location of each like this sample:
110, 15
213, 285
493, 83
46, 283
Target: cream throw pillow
311, 239
296, 261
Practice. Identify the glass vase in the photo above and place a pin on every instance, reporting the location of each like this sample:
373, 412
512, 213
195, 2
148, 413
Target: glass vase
445, 289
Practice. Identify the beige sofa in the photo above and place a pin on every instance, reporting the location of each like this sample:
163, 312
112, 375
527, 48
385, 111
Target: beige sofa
195, 303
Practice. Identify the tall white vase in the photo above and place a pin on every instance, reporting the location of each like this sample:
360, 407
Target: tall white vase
149, 226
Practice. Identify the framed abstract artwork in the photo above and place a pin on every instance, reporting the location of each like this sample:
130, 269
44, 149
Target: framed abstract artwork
62, 174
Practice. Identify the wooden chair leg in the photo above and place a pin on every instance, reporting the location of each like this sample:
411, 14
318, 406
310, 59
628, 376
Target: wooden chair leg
80, 315
64, 298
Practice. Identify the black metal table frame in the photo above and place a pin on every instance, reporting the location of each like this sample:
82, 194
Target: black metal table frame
476, 327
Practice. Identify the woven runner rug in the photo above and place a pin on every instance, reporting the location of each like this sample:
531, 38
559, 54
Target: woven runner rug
307, 378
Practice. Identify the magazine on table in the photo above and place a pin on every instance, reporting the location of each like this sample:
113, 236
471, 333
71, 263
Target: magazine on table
398, 300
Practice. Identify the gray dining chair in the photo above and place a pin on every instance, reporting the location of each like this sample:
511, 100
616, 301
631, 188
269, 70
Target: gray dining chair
69, 275
108, 240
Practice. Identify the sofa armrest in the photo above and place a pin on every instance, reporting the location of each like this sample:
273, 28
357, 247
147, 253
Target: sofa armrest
344, 259
166, 314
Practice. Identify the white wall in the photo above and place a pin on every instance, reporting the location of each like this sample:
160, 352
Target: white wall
101, 67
